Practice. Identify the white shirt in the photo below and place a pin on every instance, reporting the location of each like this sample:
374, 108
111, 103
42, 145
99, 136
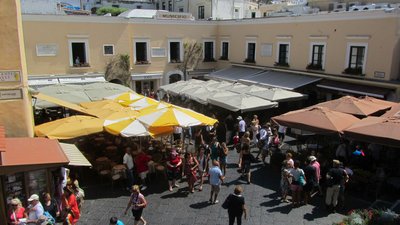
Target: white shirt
177, 130
35, 213
128, 161
242, 126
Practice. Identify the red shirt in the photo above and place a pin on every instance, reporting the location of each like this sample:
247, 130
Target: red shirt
141, 162
71, 203
19, 213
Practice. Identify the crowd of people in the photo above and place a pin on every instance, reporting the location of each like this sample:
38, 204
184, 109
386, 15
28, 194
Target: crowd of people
46, 210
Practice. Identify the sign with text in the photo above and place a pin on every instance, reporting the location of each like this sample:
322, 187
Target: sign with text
266, 50
10, 94
46, 49
158, 52
10, 76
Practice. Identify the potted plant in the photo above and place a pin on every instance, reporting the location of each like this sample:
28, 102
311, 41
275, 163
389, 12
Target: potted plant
353, 71
312, 66
282, 64
247, 60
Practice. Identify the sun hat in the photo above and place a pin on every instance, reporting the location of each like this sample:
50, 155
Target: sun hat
336, 162
33, 197
312, 158
239, 118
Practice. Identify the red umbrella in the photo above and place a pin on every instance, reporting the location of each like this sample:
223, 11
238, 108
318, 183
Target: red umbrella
317, 119
394, 111
379, 130
354, 106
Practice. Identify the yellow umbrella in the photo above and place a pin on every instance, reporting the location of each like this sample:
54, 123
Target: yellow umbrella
70, 127
132, 127
171, 115
103, 108
141, 103
125, 97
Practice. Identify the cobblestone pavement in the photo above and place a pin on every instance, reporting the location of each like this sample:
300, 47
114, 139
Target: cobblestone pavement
182, 208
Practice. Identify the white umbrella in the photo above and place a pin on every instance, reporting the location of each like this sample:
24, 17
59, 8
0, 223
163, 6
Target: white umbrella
278, 95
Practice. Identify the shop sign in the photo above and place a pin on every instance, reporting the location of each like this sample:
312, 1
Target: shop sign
379, 74
10, 94
172, 15
146, 77
10, 76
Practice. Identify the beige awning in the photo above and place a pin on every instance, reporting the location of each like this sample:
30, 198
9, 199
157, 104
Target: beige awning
75, 156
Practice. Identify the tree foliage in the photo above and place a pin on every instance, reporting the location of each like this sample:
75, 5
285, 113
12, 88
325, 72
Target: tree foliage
113, 10
192, 55
119, 68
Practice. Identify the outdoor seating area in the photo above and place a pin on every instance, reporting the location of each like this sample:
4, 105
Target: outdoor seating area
341, 127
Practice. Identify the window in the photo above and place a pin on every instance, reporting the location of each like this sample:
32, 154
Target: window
138, 6
170, 6
157, 5
141, 52
250, 52
163, 6
79, 53
224, 50
283, 54
175, 51
355, 60
108, 50
317, 56
209, 51
200, 13
180, 9
253, 14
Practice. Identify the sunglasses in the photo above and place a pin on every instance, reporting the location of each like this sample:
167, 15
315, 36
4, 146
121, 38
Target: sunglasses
14, 205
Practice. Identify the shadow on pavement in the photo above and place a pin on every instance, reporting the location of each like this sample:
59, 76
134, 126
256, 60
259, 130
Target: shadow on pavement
200, 205
317, 212
181, 193
285, 209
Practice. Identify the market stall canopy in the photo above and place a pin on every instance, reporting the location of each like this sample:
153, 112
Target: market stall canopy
74, 155
28, 154
279, 95
131, 127
378, 130
60, 102
317, 119
128, 96
220, 85
141, 103
234, 73
97, 91
394, 111
70, 127
185, 85
240, 102
200, 94
354, 106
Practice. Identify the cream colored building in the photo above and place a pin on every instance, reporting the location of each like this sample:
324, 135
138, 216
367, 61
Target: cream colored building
360, 48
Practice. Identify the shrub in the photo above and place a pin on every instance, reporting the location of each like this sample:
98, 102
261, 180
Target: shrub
113, 10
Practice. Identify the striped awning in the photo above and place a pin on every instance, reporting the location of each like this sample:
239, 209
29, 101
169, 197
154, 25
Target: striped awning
75, 156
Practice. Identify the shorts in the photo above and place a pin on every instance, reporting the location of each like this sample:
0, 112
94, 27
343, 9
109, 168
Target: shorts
215, 188
173, 175
246, 166
143, 175
222, 160
295, 187
137, 213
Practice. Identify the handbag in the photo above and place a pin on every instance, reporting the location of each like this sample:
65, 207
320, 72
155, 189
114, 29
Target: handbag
225, 205
302, 180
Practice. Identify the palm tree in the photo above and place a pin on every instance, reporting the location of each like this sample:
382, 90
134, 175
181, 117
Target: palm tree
118, 70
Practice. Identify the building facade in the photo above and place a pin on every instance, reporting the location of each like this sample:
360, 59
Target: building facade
347, 47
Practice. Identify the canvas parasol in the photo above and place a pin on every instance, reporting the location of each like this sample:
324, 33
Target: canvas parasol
125, 97
354, 106
317, 119
240, 102
140, 103
70, 127
131, 127
103, 108
171, 115
394, 111
378, 130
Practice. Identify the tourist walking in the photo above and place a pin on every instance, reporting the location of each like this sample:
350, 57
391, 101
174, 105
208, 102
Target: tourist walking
138, 203
190, 170
198, 138
317, 167
245, 159
50, 205
241, 126
202, 159
296, 173
236, 206
334, 178
115, 221
311, 177
216, 179
255, 128
285, 180
222, 157
174, 162
142, 168
128, 162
